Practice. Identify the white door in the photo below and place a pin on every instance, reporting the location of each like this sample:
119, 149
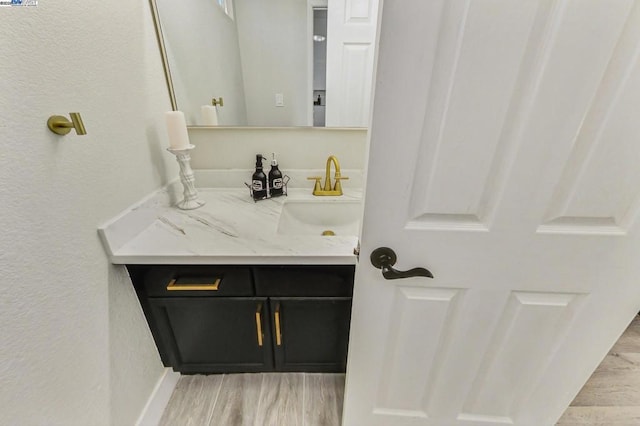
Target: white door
505, 158
351, 36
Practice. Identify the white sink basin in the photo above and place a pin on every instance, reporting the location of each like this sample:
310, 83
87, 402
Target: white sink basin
342, 217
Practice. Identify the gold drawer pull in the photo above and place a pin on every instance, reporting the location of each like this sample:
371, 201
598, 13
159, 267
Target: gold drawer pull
183, 287
278, 332
259, 324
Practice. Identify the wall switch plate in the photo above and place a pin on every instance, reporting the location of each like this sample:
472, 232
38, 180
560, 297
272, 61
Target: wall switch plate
279, 100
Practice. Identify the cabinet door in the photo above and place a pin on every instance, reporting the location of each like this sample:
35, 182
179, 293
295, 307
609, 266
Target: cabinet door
310, 333
214, 334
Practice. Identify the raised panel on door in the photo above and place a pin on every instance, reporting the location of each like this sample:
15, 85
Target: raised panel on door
415, 349
475, 79
213, 335
527, 334
310, 333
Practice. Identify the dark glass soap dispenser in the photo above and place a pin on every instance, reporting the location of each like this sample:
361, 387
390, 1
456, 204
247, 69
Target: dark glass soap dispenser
259, 180
275, 178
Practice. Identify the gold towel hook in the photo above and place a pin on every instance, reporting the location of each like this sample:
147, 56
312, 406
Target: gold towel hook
217, 102
61, 125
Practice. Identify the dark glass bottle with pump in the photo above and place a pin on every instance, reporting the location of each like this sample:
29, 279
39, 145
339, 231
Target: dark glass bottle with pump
259, 180
275, 178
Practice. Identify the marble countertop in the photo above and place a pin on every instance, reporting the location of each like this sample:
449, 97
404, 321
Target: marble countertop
229, 229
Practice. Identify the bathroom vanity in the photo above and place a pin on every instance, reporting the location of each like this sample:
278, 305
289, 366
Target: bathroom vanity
214, 319
239, 286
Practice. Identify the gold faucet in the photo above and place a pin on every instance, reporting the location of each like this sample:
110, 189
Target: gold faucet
328, 188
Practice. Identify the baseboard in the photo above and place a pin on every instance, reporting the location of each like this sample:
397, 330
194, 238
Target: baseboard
152, 411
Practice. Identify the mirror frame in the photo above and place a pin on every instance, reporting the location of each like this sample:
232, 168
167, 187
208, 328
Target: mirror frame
163, 53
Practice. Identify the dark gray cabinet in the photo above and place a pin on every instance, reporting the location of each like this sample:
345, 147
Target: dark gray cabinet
311, 312
311, 333
209, 334
220, 319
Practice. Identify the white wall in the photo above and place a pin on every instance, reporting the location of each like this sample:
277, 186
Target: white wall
74, 346
273, 44
226, 148
202, 47
225, 157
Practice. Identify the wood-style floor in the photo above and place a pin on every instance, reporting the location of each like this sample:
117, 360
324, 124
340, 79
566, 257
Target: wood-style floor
611, 397
270, 399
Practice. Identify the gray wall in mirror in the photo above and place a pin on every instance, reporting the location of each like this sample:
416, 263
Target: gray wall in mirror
265, 49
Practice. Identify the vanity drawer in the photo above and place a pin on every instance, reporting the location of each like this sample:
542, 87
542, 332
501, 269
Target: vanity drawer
312, 281
198, 281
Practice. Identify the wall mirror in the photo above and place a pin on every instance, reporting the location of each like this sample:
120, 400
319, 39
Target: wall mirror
275, 63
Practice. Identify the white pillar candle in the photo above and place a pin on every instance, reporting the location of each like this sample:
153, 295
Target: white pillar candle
209, 115
177, 129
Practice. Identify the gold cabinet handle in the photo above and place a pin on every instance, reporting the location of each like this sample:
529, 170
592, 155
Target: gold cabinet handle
277, 320
259, 324
173, 286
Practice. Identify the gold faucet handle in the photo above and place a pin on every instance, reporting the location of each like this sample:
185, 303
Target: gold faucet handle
338, 185
316, 187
